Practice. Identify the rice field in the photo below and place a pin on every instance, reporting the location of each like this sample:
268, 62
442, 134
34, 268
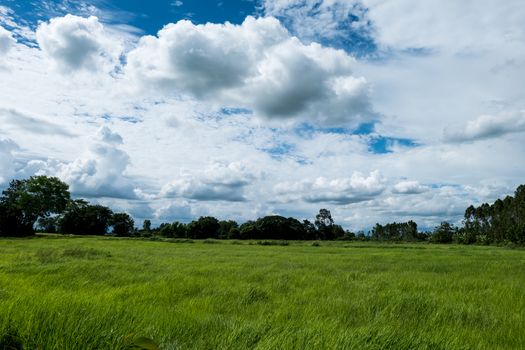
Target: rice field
108, 293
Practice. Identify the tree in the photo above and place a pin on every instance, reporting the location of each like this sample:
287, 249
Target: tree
174, 230
123, 224
25, 201
443, 233
324, 224
204, 227
225, 227
146, 226
324, 218
81, 218
310, 232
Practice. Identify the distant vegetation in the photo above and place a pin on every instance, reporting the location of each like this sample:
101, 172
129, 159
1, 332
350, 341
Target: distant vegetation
45, 203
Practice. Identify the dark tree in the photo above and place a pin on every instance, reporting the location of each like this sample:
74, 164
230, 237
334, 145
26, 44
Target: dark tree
396, 231
324, 224
146, 226
502, 221
25, 201
248, 230
324, 218
81, 218
174, 230
444, 233
204, 227
310, 232
123, 224
225, 227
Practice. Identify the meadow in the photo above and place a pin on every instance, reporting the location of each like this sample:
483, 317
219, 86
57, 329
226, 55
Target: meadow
100, 292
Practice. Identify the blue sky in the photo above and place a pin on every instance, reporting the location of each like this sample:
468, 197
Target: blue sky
378, 111
149, 16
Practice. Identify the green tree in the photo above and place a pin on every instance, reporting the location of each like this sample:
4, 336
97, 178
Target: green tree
324, 224
81, 218
444, 233
123, 224
204, 227
146, 226
25, 201
225, 227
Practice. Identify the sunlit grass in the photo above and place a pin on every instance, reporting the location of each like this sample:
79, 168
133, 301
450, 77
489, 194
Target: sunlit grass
90, 293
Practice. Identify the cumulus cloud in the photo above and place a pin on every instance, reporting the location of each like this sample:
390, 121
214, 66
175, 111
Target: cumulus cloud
220, 182
486, 127
256, 65
99, 172
357, 188
409, 187
174, 211
6, 41
76, 43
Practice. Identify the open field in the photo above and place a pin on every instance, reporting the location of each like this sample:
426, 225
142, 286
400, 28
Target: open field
90, 293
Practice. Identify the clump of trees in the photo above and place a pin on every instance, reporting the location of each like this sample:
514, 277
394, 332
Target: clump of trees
402, 231
501, 221
45, 202
268, 227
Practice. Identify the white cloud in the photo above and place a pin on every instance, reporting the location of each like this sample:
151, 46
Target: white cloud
6, 41
7, 160
77, 43
314, 20
158, 133
174, 211
447, 25
11, 117
220, 182
100, 171
356, 188
256, 65
409, 187
487, 126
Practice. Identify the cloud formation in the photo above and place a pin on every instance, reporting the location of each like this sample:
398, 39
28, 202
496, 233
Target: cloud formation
220, 182
7, 160
256, 65
25, 122
486, 127
354, 189
409, 187
76, 43
6, 41
99, 172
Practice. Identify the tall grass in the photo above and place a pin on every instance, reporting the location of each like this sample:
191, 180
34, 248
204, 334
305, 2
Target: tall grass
94, 293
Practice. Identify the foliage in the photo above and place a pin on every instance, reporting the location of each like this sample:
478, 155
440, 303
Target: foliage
444, 233
204, 227
25, 201
502, 221
81, 218
123, 224
402, 231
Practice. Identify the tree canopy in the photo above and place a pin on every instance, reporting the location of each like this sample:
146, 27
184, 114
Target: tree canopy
25, 201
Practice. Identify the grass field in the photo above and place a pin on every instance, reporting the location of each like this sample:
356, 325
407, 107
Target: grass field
94, 293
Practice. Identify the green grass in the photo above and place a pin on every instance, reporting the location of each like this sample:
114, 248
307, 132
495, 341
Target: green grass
92, 293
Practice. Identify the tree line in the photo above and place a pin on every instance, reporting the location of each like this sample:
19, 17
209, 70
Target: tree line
45, 204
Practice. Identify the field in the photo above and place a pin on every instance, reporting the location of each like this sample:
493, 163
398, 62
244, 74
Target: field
98, 293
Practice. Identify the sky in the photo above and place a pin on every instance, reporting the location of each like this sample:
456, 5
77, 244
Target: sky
379, 111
